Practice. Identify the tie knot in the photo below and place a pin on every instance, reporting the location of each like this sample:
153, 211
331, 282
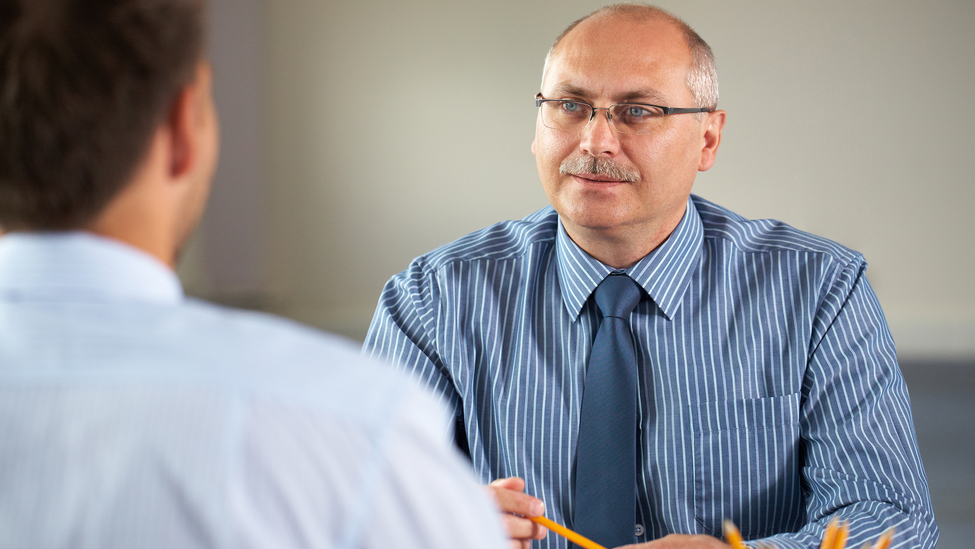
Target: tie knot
617, 295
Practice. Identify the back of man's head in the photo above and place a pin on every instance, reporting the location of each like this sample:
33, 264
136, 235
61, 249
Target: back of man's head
83, 85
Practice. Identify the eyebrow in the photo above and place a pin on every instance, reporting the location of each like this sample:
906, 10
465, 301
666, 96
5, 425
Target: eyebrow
642, 95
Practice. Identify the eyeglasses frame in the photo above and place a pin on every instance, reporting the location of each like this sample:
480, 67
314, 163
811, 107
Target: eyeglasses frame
540, 99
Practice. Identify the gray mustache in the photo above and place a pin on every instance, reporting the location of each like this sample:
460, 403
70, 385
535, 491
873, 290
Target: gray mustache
581, 165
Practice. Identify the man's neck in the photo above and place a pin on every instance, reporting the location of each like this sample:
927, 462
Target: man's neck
621, 247
139, 219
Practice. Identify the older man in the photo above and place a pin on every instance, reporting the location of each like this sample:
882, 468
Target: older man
647, 363
130, 416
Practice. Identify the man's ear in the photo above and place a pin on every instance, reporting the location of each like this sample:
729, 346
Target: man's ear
184, 123
711, 139
180, 135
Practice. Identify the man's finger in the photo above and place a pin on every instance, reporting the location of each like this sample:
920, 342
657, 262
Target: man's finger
522, 529
509, 495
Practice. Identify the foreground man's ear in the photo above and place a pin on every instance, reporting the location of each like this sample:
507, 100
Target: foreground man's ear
186, 123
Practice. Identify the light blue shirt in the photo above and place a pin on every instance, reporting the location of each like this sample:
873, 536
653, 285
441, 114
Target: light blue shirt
769, 392
133, 417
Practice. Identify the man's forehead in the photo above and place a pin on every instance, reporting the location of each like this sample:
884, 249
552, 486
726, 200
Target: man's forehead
621, 59
567, 89
620, 31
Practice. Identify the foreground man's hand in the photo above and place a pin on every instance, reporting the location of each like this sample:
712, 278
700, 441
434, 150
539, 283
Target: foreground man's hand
681, 541
509, 494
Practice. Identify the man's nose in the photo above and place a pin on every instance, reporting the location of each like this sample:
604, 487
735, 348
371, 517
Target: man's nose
599, 137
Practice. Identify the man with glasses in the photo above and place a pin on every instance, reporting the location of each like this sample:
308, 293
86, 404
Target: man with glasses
640, 364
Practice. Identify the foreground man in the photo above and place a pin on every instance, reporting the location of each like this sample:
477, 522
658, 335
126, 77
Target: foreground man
129, 415
649, 363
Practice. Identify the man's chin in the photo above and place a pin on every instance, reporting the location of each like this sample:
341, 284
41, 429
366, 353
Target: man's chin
593, 219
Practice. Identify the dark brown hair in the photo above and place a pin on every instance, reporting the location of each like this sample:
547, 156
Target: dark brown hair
83, 86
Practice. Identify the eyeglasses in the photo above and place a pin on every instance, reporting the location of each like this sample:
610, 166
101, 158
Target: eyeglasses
631, 118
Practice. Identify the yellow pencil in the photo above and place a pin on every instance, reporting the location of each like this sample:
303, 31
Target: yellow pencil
575, 538
883, 542
733, 536
841, 536
830, 535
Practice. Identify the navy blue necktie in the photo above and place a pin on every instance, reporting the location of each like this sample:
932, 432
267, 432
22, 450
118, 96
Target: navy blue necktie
605, 483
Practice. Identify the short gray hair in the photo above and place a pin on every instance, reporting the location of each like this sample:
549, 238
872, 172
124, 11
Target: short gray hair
702, 77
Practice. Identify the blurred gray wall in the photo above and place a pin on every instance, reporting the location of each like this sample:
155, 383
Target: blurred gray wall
357, 135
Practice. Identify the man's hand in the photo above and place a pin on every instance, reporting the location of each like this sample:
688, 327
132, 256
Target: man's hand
681, 541
509, 494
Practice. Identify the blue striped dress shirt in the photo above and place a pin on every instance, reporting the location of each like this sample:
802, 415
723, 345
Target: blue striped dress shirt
769, 391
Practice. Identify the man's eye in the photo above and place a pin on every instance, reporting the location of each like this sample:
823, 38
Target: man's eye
569, 106
637, 114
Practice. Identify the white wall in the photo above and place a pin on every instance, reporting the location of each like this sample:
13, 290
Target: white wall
393, 127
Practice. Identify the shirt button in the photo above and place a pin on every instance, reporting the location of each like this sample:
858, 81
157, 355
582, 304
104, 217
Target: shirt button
639, 530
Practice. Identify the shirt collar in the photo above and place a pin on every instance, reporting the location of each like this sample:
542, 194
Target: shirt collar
664, 273
68, 266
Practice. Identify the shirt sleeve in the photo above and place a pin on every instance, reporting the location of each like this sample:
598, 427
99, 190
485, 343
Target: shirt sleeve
860, 460
404, 331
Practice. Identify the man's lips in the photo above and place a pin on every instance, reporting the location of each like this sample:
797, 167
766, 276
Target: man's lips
596, 178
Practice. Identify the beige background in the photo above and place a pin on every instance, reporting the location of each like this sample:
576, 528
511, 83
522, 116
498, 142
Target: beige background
358, 135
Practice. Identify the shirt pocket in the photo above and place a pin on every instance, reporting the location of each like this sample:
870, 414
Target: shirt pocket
746, 464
